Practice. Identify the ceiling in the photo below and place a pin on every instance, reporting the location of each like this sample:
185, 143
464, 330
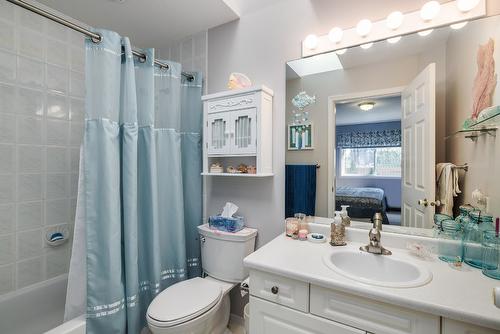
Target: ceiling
151, 23
386, 109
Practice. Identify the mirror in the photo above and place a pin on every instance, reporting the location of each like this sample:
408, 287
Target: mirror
373, 128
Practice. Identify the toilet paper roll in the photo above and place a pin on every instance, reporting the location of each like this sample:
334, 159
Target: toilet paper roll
496, 297
245, 287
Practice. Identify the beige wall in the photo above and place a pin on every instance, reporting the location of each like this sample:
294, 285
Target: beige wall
482, 155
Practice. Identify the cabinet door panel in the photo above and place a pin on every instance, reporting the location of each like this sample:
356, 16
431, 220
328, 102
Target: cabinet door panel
271, 318
457, 327
244, 131
218, 133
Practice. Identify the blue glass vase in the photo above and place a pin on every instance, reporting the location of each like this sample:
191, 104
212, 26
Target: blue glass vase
473, 237
491, 254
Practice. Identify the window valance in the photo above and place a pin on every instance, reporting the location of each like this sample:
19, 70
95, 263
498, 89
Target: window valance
383, 138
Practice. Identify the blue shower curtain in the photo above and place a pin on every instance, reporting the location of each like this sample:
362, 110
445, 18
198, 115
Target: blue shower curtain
141, 182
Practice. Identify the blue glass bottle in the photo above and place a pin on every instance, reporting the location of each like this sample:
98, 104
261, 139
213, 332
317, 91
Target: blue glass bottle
491, 254
473, 237
463, 218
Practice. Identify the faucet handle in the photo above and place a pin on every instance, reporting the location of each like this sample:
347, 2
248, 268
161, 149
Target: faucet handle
377, 221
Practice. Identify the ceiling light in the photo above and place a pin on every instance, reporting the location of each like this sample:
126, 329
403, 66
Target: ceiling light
394, 20
425, 32
460, 25
430, 10
366, 106
311, 42
335, 35
466, 5
341, 51
366, 46
394, 40
364, 27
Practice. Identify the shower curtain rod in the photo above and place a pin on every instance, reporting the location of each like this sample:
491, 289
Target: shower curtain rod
96, 38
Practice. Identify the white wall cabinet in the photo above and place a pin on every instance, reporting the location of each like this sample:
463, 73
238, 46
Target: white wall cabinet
280, 305
238, 129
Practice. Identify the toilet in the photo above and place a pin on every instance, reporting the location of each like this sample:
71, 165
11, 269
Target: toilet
201, 305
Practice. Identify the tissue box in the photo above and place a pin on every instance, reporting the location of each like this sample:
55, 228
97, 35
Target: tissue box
226, 224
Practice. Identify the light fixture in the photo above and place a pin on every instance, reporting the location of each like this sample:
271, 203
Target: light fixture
366, 106
311, 42
466, 5
393, 40
335, 35
341, 51
430, 10
425, 32
394, 20
366, 46
364, 27
459, 25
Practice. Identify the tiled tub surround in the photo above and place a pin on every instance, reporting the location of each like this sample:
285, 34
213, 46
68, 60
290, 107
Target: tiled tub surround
41, 126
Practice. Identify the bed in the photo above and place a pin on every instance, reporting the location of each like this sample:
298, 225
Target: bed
363, 202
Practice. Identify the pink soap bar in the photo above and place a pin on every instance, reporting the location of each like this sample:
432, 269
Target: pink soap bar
303, 234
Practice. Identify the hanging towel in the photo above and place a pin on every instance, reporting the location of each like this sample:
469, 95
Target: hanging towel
446, 187
300, 189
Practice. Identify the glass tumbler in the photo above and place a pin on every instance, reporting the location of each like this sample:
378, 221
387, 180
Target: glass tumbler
450, 246
491, 254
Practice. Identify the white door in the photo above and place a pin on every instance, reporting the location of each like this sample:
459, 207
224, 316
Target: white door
271, 318
418, 149
218, 133
244, 131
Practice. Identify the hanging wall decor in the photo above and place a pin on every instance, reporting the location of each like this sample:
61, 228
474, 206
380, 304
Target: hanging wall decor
302, 101
300, 136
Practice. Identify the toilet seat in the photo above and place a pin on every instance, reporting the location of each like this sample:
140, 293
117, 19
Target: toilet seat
183, 302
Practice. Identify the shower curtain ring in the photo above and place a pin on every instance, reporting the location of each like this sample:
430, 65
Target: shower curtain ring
96, 39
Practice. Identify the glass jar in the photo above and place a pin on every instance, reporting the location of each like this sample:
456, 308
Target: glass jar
450, 241
292, 227
473, 237
491, 254
463, 218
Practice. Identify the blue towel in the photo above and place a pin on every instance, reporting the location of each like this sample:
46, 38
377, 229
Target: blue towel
300, 189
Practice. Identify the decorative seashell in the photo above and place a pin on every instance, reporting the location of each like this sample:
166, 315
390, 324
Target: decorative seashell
56, 236
238, 81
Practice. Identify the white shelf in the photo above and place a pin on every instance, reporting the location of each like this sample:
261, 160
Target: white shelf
239, 174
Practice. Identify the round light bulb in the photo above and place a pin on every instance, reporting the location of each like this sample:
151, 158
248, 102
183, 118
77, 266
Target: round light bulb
341, 51
311, 42
430, 10
460, 25
366, 46
335, 35
364, 27
394, 20
394, 40
425, 32
466, 5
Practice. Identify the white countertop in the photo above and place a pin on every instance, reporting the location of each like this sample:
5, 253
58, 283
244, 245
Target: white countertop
460, 295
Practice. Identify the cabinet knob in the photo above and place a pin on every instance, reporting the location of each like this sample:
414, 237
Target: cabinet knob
274, 290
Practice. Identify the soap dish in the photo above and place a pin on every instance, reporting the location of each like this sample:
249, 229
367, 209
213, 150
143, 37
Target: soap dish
316, 238
56, 236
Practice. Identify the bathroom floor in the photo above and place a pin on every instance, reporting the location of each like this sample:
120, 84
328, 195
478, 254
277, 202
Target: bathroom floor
236, 326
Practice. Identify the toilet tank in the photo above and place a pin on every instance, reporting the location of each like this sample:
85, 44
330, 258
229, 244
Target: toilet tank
222, 253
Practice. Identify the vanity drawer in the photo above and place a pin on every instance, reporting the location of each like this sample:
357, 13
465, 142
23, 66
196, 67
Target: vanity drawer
373, 316
232, 103
280, 290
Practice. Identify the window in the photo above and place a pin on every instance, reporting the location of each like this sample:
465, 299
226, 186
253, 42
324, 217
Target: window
379, 161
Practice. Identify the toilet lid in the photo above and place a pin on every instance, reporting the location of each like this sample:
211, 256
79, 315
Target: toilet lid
184, 301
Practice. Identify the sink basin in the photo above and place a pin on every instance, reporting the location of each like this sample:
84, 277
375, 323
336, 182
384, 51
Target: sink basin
381, 270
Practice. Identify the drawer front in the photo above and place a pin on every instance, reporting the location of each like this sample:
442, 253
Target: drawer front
373, 316
280, 290
457, 327
232, 103
271, 318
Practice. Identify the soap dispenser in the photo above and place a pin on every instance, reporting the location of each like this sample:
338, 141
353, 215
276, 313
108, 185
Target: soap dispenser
337, 231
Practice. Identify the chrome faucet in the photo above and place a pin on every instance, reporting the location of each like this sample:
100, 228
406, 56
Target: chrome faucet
375, 247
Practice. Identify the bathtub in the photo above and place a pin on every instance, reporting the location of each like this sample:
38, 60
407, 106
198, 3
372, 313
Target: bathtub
37, 309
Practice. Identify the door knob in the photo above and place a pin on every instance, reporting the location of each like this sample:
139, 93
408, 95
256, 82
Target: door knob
436, 203
423, 202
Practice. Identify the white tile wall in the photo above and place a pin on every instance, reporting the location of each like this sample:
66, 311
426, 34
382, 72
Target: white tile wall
42, 87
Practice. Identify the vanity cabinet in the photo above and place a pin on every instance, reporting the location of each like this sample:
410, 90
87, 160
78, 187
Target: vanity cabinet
238, 129
282, 305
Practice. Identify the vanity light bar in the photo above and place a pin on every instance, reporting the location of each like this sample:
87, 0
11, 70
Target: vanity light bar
396, 24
